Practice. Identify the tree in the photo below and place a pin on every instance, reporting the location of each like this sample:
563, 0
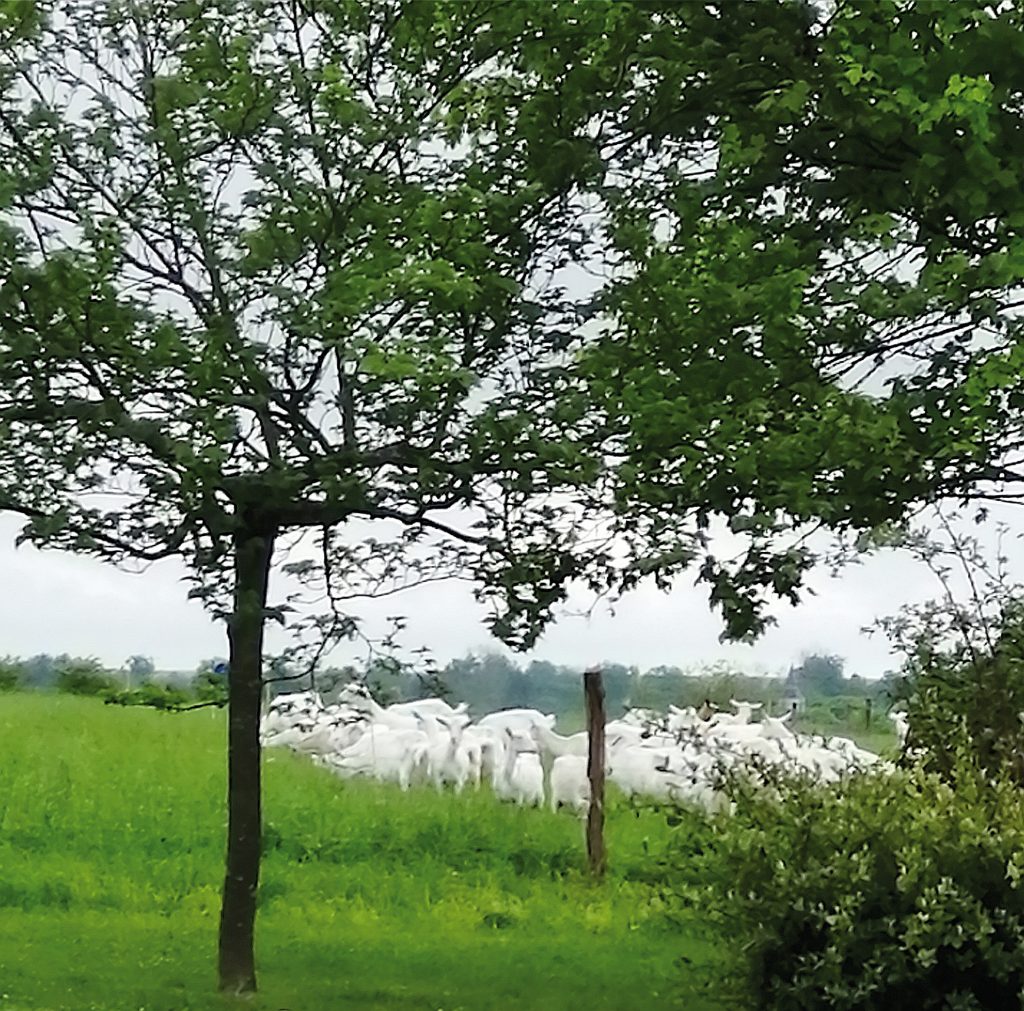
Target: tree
817, 319
139, 668
618, 682
40, 671
277, 268
83, 676
819, 675
502, 679
659, 688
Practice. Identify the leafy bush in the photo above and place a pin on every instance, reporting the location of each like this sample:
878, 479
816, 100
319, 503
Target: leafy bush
10, 676
210, 687
971, 692
889, 891
84, 677
204, 688
157, 696
962, 679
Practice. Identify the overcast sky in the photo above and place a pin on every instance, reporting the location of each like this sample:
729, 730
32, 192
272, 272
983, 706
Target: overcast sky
54, 603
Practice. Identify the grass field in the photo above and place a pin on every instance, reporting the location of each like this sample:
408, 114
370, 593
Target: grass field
111, 855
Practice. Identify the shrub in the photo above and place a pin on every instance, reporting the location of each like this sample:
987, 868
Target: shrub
962, 678
157, 696
84, 677
888, 891
209, 687
10, 676
973, 692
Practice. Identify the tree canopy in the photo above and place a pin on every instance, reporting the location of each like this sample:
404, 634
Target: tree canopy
819, 321
360, 289
282, 260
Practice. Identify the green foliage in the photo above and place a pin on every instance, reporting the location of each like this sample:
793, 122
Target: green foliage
369, 897
204, 688
84, 677
962, 679
156, 696
209, 687
970, 697
10, 675
826, 220
308, 347
359, 330
819, 675
887, 891
40, 671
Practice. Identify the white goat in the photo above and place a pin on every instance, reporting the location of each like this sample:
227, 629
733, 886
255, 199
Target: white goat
556, 745
428, 707
902, 725
569, 783
648, 771
682, 719
640, 717
289, 737
448, 759
516, 719
744, 710
288, 711
295, 700
384, 753
522, 777
365, 703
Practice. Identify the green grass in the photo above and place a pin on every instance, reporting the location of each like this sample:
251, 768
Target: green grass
111, 857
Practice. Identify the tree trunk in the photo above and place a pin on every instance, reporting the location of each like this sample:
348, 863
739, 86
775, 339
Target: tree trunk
236, 962
594, 692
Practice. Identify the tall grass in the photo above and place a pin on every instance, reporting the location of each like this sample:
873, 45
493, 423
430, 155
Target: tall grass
111, 856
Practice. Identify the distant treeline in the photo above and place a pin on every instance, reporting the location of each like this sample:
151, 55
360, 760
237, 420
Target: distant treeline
493, 681
485, 682
137, 682
47, 671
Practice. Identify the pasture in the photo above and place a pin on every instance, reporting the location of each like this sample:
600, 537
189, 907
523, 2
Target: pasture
111, 848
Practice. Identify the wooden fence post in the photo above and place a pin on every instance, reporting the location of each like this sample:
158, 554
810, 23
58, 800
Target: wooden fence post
593, 691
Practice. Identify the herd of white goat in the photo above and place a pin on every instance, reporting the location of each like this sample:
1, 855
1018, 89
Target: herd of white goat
675, 757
